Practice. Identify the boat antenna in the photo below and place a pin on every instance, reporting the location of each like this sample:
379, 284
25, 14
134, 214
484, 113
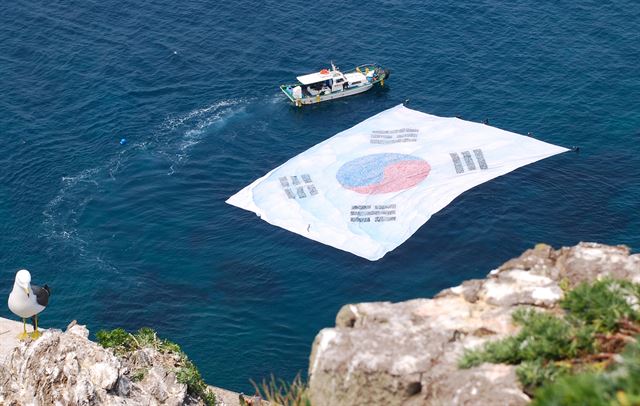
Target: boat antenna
333, 67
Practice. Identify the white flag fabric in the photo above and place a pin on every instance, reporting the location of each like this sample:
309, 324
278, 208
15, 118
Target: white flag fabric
367, 189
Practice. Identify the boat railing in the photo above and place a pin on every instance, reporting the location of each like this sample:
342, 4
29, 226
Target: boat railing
376, 67
368, 65
286, 90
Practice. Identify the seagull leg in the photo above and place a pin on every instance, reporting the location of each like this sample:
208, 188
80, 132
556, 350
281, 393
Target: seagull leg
23, 336
36, 334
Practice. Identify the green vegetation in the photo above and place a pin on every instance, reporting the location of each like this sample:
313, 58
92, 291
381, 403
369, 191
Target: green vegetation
563, 354
186, 372
603, 304
619, 385
118, 339
542, 336
138, 375
279, 392
189, 375
123, 342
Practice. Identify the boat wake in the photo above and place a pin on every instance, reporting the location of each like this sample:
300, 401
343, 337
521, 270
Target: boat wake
169, 144
192, 129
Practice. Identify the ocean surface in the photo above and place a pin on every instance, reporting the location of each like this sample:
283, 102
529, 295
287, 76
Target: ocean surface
139, 235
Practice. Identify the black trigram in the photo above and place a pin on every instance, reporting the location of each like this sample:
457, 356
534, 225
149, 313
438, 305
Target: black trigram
296, 189
468, 161
394, 136
378, 214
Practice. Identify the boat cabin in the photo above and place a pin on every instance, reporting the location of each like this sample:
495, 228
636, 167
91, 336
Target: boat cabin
329, 81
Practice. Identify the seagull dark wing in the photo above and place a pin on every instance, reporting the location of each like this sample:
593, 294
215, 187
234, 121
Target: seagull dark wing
42, 294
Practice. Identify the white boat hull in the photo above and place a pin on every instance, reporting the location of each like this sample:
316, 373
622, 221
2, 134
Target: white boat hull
335, 95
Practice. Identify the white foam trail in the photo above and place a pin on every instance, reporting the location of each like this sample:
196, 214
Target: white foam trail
193, 127
277, 98
172, 141
173, 122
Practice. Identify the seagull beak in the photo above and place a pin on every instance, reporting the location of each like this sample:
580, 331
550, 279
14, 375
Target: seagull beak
26, 290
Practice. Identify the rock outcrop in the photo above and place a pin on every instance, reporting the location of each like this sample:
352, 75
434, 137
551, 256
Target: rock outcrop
407, 353
65, 368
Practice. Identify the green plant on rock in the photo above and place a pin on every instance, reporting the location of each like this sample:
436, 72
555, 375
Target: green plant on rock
603, 304
282, 393
187, 373
599, 320
542, 336
138, 375
146, 337
534, 373
118, 339
619, 385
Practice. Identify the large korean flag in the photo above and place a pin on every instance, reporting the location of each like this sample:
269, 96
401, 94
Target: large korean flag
366, 190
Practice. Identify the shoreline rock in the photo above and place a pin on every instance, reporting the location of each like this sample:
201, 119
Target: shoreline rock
407, 353
378, 353
66, 368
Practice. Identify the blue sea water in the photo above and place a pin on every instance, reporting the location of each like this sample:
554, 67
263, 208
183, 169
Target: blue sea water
139, 235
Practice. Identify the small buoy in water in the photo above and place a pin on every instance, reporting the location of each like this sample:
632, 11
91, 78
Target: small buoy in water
575, 149
123, 141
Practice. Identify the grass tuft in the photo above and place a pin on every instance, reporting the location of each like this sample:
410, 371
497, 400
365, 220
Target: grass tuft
617, 386
542, 336
138, 375
118, 339
187, 373
282, 393
534, 373
577, 348
603, 304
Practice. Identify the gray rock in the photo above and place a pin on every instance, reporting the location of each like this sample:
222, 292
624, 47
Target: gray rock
164, 387
59, 368
65, 368
407, 353
590, 261
487, 385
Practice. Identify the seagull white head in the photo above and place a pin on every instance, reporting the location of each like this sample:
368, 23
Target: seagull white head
23, 281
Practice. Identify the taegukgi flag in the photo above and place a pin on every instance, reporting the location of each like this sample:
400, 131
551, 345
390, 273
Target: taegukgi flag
367, 189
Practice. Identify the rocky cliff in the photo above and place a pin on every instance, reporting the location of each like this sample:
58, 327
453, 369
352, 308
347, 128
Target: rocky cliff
378, 354
407, 353
66, 368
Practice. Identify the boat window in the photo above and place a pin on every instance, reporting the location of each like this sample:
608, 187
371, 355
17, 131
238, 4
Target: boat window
357, 82
339, 80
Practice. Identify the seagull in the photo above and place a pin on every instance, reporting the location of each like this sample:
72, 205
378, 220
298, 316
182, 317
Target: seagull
27, 300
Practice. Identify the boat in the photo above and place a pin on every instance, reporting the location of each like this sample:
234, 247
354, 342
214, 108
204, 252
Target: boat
329, 84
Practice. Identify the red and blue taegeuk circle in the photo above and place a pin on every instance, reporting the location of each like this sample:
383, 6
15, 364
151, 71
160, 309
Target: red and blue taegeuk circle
383, 173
